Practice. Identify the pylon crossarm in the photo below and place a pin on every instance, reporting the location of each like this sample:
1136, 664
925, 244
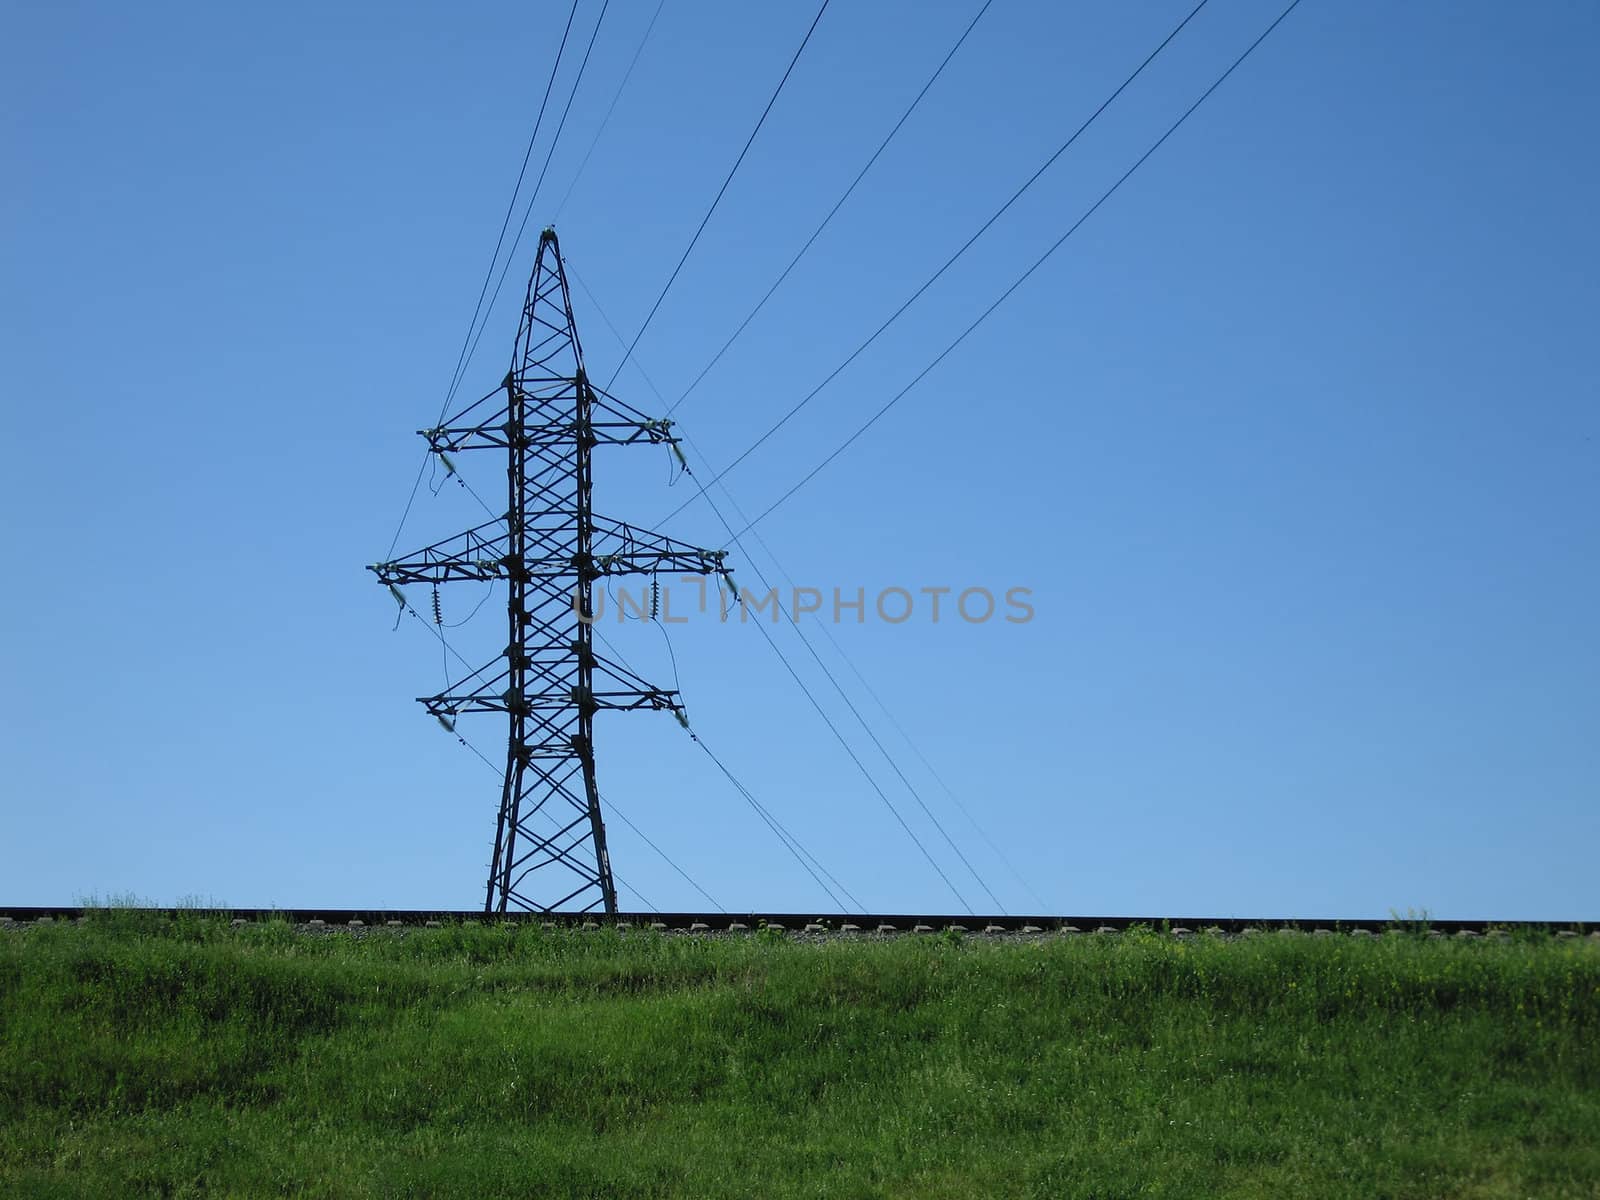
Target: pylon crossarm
481, 554
474, 556
494, 430
491, 680
624, 417
483, 424
619, 689
622, 549
655, 699
605, 433
605, 669
490, 696
620, 700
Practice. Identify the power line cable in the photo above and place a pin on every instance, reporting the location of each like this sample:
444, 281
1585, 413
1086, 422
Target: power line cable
787, 839
416, 484
915, 749
644, 901
1039, 262
534, 195
611, 806
606, 120
837, 648
505, 223
832, 727
949, 262
840, 738
827, 720
838, 204
405, 513
906, 737
872, 736
704, 221
511, 207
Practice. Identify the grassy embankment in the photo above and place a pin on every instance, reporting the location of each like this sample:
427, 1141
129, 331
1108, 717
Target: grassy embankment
190, 1058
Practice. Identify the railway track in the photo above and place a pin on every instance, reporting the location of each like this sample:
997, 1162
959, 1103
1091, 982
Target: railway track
314, 920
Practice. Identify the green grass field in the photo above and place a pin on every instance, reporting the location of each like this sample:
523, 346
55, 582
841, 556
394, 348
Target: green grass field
188, 1058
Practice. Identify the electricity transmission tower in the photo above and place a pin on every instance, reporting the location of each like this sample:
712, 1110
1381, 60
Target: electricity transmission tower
550, 548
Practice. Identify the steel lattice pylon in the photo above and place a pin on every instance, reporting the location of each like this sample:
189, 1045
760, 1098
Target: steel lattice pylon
549, 548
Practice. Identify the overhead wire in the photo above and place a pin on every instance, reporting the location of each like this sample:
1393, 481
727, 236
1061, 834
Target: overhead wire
488, 592
405, 513
837, 205
505, 223
916, 795
471, 343
787, 839
539, 183
796, 848
749, 526
702, 488
511, 207
428, 455
915, 749
689, 879
799, 680
606, 120
948, 263
1037, 263
849, 750
705, 220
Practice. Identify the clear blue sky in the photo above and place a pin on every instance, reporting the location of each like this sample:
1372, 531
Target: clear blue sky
1295, 443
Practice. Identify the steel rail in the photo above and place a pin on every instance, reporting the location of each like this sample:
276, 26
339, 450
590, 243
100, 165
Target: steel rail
812, 922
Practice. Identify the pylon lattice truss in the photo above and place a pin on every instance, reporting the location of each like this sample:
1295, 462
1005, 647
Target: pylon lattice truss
550, 548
